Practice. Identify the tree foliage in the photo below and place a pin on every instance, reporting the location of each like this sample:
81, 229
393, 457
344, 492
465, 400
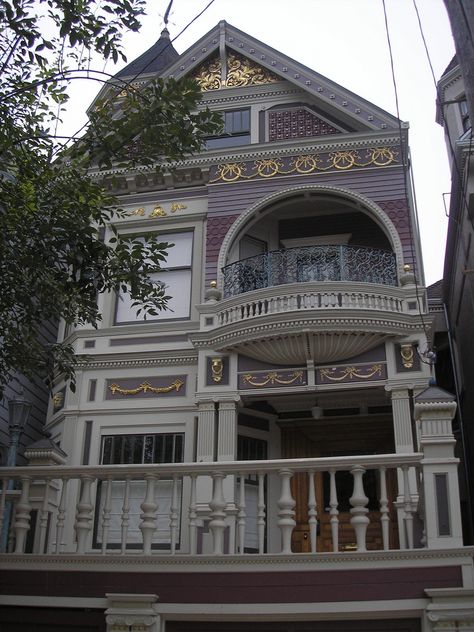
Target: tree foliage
53, 262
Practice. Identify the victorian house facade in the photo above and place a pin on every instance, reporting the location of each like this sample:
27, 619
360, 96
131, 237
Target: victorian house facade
269, 452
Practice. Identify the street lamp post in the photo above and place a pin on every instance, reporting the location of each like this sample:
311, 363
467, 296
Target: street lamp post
18, 413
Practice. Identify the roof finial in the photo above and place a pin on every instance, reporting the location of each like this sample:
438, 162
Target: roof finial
167, 12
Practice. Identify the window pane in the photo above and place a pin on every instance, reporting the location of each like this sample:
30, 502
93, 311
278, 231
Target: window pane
178, 286
107, 451
168, 449
178, 448
179, 255
158, 456
117, 454
148, 450
138, 449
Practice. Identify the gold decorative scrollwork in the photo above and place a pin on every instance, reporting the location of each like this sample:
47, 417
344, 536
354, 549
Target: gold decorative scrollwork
240, 72
217, 368
304, 164
339, 374
208, 76
138, 211
158, 211
407, 353
244, 72
273, 378
176, 206
146, 387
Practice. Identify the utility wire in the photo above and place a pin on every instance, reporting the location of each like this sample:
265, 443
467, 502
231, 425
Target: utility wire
405, 175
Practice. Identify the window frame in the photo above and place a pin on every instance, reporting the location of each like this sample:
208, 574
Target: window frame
162, 236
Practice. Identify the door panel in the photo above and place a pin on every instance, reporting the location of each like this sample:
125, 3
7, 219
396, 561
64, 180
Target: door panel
296, 444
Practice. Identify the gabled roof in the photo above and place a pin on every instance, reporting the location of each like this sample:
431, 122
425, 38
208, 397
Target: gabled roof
153, 61
343, 103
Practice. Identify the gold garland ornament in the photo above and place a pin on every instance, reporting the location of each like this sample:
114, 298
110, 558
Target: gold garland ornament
304, 164
146, 387
273, 378
351, 372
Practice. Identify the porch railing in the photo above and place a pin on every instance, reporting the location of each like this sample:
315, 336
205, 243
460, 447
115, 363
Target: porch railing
206, 508
310, 264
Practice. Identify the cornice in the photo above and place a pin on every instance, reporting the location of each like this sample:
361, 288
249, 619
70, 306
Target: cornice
257, 151
114, 362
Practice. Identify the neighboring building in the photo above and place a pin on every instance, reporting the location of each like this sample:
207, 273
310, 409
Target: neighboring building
459, 266
267, 454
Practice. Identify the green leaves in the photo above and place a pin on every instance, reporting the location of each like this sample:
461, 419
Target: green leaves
53, 261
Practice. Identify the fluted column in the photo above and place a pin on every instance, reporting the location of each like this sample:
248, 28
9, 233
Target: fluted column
227, 451
227, 430
206, 431
403, 435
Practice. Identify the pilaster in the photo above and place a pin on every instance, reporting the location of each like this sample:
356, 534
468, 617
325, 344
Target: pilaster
136, 613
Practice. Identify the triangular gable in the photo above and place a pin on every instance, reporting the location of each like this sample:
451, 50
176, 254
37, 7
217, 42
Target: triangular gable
225, 42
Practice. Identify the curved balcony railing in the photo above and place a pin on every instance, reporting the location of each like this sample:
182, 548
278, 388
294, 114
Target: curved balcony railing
310, 264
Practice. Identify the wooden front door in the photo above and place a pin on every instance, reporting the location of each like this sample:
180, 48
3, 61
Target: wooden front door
297, 444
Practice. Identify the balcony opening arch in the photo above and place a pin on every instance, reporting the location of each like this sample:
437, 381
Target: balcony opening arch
326, 230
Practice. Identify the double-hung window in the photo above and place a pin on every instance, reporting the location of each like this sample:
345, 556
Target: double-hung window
176, 277
236, 130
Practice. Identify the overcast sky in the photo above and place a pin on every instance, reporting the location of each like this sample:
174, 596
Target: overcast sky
346, 41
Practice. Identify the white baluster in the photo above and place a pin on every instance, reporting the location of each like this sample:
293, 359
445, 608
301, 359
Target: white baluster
22, 516
43, 522
174, 516
286, 513
241, 515
61, 516
106, 515
148, 517
217, 505
84, 514
359, 510
408, 508
193, 517
261, 513
333, 511
384, 516
125, 516
312, 513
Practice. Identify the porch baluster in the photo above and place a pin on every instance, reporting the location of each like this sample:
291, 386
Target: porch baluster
217, 505
106, 515
312, 513
84, 514
125, 516
174, 516
359, 510
261, 513
408, 507
193, 518
241, 516
333, 511
22, 516
286, 512
148, 517
61, 516
384, 516
43, 522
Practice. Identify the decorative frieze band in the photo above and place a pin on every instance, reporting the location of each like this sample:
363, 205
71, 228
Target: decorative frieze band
273, 379
351, 373
150, 387
303, 164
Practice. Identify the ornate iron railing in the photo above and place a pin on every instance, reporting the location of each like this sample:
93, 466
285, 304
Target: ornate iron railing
310, 264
